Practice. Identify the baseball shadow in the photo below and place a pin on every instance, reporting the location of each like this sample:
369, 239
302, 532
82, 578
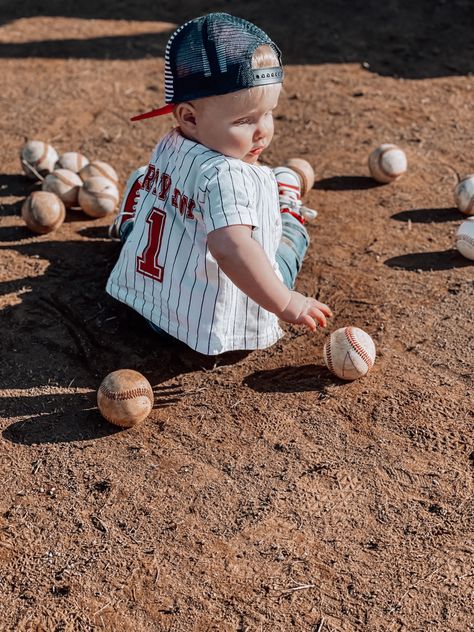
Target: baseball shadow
429, 261
66, 418
15, 185
291, 379
12, 209
428, 215
346, 183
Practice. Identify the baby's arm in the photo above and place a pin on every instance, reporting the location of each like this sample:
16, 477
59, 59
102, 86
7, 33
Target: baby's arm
245, 263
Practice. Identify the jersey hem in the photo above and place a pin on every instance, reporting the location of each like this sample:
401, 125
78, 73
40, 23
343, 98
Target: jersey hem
222, 346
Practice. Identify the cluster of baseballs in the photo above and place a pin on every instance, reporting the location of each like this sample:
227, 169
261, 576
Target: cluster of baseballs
68, 180
388, 163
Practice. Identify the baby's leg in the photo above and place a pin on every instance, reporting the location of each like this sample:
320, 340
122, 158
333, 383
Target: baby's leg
292, 249
295, 239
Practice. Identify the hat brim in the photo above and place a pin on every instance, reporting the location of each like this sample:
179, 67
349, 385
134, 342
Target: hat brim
166, 109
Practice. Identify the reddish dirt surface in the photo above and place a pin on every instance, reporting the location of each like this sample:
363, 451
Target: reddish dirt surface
262, 494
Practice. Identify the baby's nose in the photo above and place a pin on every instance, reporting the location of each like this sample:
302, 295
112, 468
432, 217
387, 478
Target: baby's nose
260, 131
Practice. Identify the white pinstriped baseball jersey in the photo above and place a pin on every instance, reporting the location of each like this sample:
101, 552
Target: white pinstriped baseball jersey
165, 270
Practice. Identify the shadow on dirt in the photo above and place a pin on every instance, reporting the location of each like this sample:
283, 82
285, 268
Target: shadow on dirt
15, 185
69, 417
429, 261
73, 335
291, 379
428, 38
346, 183
64, 418
428, 215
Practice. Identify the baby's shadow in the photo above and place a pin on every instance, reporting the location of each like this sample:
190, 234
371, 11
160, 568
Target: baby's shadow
290, 379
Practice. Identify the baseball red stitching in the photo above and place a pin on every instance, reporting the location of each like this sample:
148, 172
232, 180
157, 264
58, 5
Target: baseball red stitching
65, 180
329, 356
358, 348
103, 171
130, 394
44, 154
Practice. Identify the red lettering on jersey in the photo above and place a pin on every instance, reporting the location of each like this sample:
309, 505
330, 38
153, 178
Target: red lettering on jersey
183, 203
149, 177
147, 262
155, 181
165, 186
175, 198
191, 207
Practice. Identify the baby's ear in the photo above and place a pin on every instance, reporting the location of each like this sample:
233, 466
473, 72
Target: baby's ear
185, 115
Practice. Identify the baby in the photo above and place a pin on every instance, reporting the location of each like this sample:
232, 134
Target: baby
213, 241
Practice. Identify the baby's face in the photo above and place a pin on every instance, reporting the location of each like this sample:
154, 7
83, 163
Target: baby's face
239, 124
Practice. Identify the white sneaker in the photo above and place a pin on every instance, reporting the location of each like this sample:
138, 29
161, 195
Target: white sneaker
289, 193
126, 214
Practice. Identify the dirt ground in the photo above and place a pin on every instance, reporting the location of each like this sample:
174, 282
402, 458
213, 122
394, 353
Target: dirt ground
262, 494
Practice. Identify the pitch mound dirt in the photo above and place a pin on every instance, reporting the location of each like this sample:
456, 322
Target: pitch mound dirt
262, 494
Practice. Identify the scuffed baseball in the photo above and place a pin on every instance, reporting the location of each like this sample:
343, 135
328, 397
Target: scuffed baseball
65, 184
40, 156
72, 160
98, 197
465, 239
125, 398
387, 163
98, 168
349, 353
464, 195
305, 172
43, 212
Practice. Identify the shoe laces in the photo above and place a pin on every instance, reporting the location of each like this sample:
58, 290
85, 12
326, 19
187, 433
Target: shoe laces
290, 200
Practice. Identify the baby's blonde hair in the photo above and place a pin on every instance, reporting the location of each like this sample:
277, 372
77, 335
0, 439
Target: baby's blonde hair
264, 57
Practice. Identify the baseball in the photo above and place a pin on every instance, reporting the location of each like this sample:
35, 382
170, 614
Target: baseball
65, 184
125, 398
99, 168
71, 160
305, 172
98, 197
465, 239
37, 156
349, 353
387, 163
464, 195
43, 212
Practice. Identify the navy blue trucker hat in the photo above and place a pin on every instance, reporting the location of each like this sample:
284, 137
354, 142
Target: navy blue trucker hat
212, 55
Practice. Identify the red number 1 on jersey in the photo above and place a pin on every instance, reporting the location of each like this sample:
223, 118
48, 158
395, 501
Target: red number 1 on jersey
147, 262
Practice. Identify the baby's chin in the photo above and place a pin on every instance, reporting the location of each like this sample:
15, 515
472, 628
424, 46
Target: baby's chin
250, 160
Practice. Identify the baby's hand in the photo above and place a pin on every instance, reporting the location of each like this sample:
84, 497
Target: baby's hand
304, 310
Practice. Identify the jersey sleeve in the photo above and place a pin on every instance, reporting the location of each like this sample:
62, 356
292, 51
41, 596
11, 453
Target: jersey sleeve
229, 196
